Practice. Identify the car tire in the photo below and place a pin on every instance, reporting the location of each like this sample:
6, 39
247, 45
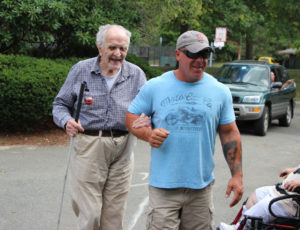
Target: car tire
262, 124
287, 118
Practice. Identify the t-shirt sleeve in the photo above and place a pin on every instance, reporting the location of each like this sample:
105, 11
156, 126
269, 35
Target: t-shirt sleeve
227, 113
142, 102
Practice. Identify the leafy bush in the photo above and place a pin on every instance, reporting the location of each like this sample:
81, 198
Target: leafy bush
149, 71
29, 85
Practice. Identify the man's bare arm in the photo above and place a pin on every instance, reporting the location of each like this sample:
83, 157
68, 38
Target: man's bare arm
232, 149
141, 132
155, 137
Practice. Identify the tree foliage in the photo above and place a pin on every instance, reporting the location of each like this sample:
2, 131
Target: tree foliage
284, 22
258, 25
169, 18
56, 28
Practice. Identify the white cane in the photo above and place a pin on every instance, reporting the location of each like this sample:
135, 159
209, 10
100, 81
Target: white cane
82, 87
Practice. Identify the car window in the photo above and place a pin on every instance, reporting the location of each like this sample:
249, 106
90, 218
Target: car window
285, 75
257, 75
281, 74
278, 74
250, 74
230, 73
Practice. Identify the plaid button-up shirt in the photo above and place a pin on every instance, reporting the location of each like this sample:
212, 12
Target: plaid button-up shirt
109, 107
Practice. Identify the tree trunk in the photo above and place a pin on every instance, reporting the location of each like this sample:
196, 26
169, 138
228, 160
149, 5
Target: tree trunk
249, 49
183, 28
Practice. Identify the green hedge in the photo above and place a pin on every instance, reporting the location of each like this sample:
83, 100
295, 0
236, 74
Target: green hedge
149, 71
28, 86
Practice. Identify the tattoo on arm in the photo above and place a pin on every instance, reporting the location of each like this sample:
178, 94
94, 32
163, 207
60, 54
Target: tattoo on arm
233, 156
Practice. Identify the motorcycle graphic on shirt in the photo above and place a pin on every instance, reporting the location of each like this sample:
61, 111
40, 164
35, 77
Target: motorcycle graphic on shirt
183, 112
184, 116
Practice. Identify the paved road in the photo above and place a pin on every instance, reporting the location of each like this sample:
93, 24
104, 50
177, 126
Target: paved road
31, 179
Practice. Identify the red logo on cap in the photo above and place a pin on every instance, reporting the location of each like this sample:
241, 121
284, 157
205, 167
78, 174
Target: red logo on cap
201, 37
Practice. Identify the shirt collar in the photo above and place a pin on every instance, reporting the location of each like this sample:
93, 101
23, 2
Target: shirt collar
125, 71
96, 68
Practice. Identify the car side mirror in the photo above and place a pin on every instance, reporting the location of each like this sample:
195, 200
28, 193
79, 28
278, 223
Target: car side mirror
276, 85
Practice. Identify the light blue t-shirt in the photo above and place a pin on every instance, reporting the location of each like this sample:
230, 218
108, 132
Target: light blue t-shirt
191, 112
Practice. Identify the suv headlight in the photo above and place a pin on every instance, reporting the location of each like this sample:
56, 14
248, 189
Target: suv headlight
251, 99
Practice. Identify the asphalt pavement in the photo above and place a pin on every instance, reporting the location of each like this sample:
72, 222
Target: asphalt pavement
31, 179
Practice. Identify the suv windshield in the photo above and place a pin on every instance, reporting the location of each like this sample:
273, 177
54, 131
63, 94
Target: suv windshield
244, 74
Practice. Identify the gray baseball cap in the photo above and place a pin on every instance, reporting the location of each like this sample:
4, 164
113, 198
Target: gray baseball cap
193, 41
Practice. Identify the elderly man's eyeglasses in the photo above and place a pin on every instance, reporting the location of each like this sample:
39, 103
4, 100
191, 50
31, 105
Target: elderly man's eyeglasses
204, 54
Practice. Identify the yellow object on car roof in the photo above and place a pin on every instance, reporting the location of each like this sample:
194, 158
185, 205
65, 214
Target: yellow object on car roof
268, 60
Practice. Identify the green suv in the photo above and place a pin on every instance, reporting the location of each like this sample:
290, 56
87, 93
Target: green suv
255, 97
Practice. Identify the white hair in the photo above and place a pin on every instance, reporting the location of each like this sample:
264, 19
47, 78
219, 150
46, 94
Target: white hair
100, 37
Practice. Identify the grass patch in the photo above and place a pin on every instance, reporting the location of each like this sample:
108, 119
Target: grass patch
3, 140
295, 74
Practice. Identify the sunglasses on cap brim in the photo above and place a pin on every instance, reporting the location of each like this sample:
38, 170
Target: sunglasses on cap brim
203, 53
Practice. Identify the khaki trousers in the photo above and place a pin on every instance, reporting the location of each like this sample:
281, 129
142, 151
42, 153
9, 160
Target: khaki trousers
100, 176
180, 208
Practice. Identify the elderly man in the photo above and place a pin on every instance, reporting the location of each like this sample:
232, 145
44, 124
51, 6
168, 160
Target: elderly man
187, 107
102, 164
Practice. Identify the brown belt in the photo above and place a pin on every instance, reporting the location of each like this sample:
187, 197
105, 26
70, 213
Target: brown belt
106, 133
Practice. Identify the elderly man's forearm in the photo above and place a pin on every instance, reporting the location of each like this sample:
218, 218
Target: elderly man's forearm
142, 133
